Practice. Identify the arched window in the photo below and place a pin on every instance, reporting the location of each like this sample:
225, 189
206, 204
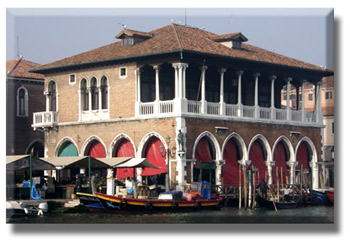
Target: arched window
104, 92
84, 92
94, 94
52, 96
22, 102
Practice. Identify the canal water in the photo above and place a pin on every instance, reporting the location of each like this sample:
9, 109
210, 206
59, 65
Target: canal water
307, 214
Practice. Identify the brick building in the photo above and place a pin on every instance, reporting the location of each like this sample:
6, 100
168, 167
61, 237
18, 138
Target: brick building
24, 96
212, 100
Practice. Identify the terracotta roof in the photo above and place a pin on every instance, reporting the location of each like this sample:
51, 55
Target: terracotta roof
19, 68
175, 38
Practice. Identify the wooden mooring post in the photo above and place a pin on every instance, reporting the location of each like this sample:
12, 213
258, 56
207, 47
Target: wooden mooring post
254, 178
240, 188
277, 184
245, 186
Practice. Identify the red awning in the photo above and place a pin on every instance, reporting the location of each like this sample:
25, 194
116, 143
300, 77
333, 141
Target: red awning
202, 153
231, 167
302, 156
256, 155
154, 157
279, 157
125, 149
97, 150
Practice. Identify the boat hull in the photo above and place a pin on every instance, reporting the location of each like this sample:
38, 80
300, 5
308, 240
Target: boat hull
90, 201
319, 196
330, 195
279, 205
112, 203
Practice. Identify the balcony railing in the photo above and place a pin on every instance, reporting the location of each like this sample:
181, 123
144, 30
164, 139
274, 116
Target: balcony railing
45, 119
225, 110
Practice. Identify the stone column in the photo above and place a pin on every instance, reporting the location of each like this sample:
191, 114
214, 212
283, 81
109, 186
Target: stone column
239, 97
156, 103
110, 182
288, 80
175, 66
318, 109
180, 101
269, 165
292, 166
46, 93
303, 117
256, 95
203, 99
272, 103
222, 102
184, 81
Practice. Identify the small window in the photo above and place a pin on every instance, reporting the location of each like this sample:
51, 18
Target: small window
122, 72
328, 95
22, 102
333, 128
310, 96
72, 78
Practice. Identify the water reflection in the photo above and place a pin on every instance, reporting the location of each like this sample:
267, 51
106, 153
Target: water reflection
309, 214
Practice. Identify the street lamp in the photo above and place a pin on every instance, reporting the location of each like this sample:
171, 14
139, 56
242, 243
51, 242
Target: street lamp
168, 153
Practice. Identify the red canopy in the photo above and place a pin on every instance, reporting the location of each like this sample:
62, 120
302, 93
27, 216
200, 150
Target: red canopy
97, 150
279, 157
154, 157
302, 156
125, 149
202, 153
231, 167
256, 155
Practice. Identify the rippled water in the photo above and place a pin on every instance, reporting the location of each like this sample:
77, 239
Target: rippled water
308, 214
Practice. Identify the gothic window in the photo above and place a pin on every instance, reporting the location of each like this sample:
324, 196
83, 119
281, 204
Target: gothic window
22, 102
94, 94
84, 95
104, 92
52, 95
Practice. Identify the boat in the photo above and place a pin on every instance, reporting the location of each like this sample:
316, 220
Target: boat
90, 201
167, 200
330, 195
293, 202
319, 196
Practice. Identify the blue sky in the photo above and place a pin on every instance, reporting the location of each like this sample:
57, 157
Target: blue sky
46, 35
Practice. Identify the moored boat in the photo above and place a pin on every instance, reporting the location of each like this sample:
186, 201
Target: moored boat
276, 205
198, 197
90, 201
319, 196
330, 195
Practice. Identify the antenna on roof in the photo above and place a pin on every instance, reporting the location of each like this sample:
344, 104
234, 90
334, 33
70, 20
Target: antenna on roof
185, 17
123, 25
18, 48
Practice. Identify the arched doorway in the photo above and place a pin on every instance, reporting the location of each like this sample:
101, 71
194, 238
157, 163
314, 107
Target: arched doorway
204, 168
153, 154
281, 156
36, 149
302, 170
68, 149
230, 170
96, 150
258, 156
124, 149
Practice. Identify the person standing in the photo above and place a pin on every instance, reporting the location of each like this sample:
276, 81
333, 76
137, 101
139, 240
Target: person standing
77, 186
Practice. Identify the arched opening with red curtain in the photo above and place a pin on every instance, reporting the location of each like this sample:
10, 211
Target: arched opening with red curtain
230, 170
281, 157
303, 157
204, 168
96, 149
257, 156
124, 148
153, 153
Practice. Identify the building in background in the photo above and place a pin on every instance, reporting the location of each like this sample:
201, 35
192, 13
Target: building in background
327, 106
24, 96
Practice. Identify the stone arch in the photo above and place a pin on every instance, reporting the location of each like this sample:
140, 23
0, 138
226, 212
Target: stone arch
213, 140
62, 142
88, 143
265, 145
117, 140
234, 152
283, 156
311, 147
36, 148
145, 140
